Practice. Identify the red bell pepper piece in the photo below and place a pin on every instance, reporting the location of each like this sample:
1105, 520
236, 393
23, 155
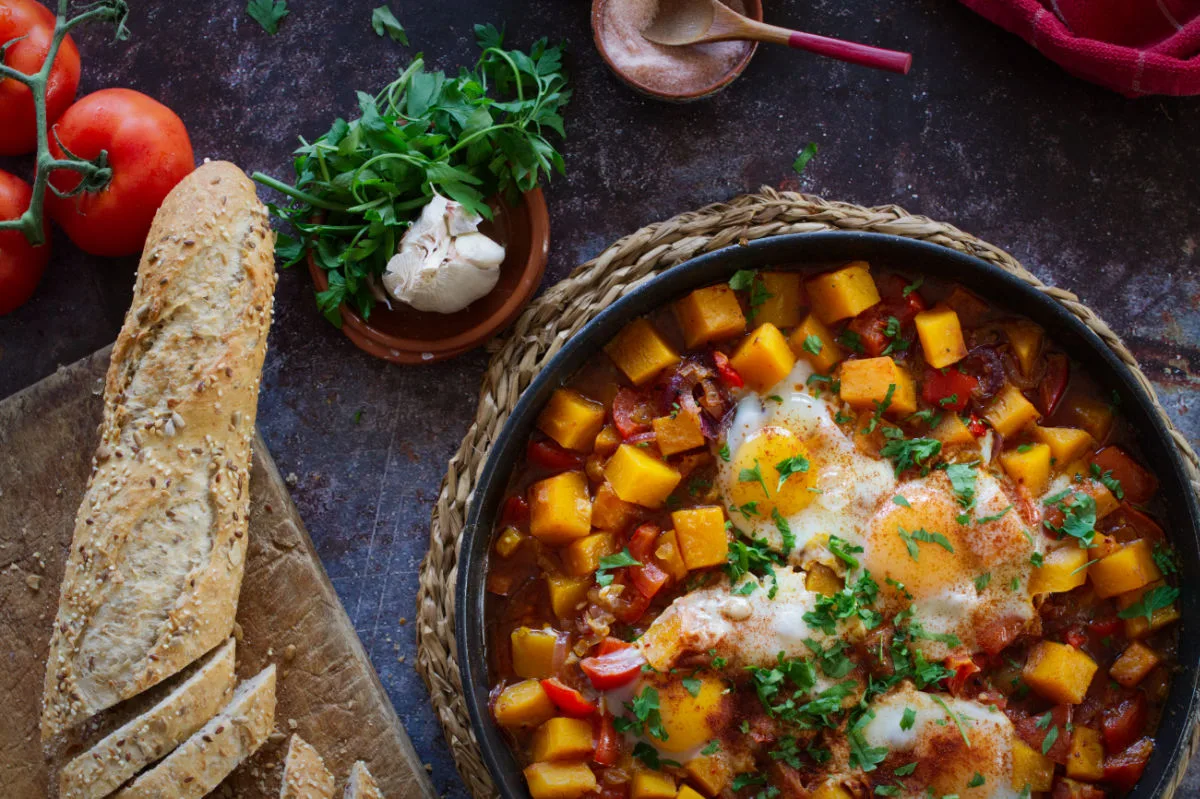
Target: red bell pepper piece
1033, 731
949, 391
964, 668
610, 644
516, 510
1125, 723
648, 578
1138, 484
1065, 788
631, 413
1125, 768
994, 636
608, 743
1110, 625
568, 700
549, 455
632, 604
614, 669
1053, 386
725, 370
976, 426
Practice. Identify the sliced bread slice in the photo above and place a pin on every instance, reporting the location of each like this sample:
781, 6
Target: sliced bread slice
203, 760
129, 749
361, 784
304, 773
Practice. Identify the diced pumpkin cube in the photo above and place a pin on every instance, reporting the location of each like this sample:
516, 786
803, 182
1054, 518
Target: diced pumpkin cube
559, 780
1066, 443
1134, 664
607, 441
763, 358
831, 790
1085, 760
533, 652
572, 419
639, 477
1063, 569
509, 540
709, 314
866, 383
567, 593
1030, 768
1025, 341
669, 556
941, 336
952, 431
661, 643
560, 509
582, 556
1030, 467
1127, 569
610, 512
523, 704
1059, 672
703, 540
562, 739
678, 433
822, 579
711, 773
1092, 414
652, 785
688, 792
1010, 412
815, 343
1103, 546
843, 293
641, 352
785, 303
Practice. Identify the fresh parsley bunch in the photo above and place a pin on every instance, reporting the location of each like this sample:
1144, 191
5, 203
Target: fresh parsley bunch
477, 135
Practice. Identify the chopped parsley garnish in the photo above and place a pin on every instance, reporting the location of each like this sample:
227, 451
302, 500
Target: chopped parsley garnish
958, 722
1044, 720
1152, 600
747, 779
1037, 559
754, 475
723, 452
950, 400
747, 279
620, 560
804, 156
1165, 558
742, 279
844, 550
755, 557
880, 409
1049, 740
949, 639
712, 748
649, 755
995, 517
646, 718
913, 286
982, 581
813, 344
962, 480
785, 530
908, 452
1079, 516
776, 398
976, 781
833, 661
899, 586
797, 464
851, 341
863, 756
908, 719
1024, 447
692, 685
910, 539
904, 771
1110, 482
852, 601
901, 501
747, 509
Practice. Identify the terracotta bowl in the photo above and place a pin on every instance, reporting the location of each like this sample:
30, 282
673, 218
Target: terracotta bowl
403, 334
754, 10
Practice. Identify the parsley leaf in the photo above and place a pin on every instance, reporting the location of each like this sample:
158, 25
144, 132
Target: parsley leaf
1079, 517
723, 452
797, 464
649, 755
901, 501
742, 279
910, 540
813, 344
908, 719
609, 562
976, 780
268, 13
1152, 600
863, 756
785, 530
383, 21
880, 409
712, 748
908, 453
803, 157
754, 475
913, 286
958, 722
851, 341
1049, 740
982, 581
692, 685
962, 480
844, 550
995, 517
1165, 558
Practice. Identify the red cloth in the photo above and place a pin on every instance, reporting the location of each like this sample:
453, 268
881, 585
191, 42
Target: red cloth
1136, 47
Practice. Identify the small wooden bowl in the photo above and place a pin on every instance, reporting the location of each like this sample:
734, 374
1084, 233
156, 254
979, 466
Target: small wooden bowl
402, 334
754, 10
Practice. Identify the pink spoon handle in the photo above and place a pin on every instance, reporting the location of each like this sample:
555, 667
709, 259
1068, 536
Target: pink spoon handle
851, 52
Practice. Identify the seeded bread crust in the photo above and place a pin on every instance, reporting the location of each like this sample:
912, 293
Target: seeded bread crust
99, 771
304, 773
156, 561
208, 757
361, 784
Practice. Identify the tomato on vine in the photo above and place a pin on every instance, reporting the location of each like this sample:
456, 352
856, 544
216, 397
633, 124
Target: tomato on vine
21, 263
29, 25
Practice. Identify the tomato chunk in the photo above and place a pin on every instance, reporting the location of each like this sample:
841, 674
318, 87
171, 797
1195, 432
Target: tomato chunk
1124, 723
950, 391
611, 644
1034, 729
548, 455
516, 510
964, 668
1054, 383
608, 743
568, 700
614, 669
1138, 484
632, 413
726, 372
1125, 769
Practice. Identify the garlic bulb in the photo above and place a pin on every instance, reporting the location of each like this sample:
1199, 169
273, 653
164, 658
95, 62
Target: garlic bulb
443, 263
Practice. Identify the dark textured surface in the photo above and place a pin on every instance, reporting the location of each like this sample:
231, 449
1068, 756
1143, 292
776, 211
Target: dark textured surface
1093, 192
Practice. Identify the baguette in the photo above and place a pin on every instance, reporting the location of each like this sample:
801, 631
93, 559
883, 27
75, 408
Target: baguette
208, 757
304, 773
361, 784
101, 770
156, 561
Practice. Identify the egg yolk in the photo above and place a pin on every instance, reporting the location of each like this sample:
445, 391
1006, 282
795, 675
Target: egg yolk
922, 546
688, 720
774, 471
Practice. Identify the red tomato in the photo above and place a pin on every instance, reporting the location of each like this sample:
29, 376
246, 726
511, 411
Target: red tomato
1125, 769
614, 669
18, 134
568, 700
1138, 484
998, 633
1124, 723
1065, 788
954, 387
726, 371
608, 743
632, 413
964, 668
1034, 729
516, 510
149, 152
611, 644
1128, 523
21, 264
549, 455
1109, 625
1054, 383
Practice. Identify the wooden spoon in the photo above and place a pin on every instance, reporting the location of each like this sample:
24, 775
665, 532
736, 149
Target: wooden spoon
680, 22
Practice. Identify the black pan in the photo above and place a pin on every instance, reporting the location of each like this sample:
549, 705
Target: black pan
809, 251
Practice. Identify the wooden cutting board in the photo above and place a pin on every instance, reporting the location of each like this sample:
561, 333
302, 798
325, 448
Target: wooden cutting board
288, 612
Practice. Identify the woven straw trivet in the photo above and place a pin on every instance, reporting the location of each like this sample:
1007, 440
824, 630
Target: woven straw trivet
566, 307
